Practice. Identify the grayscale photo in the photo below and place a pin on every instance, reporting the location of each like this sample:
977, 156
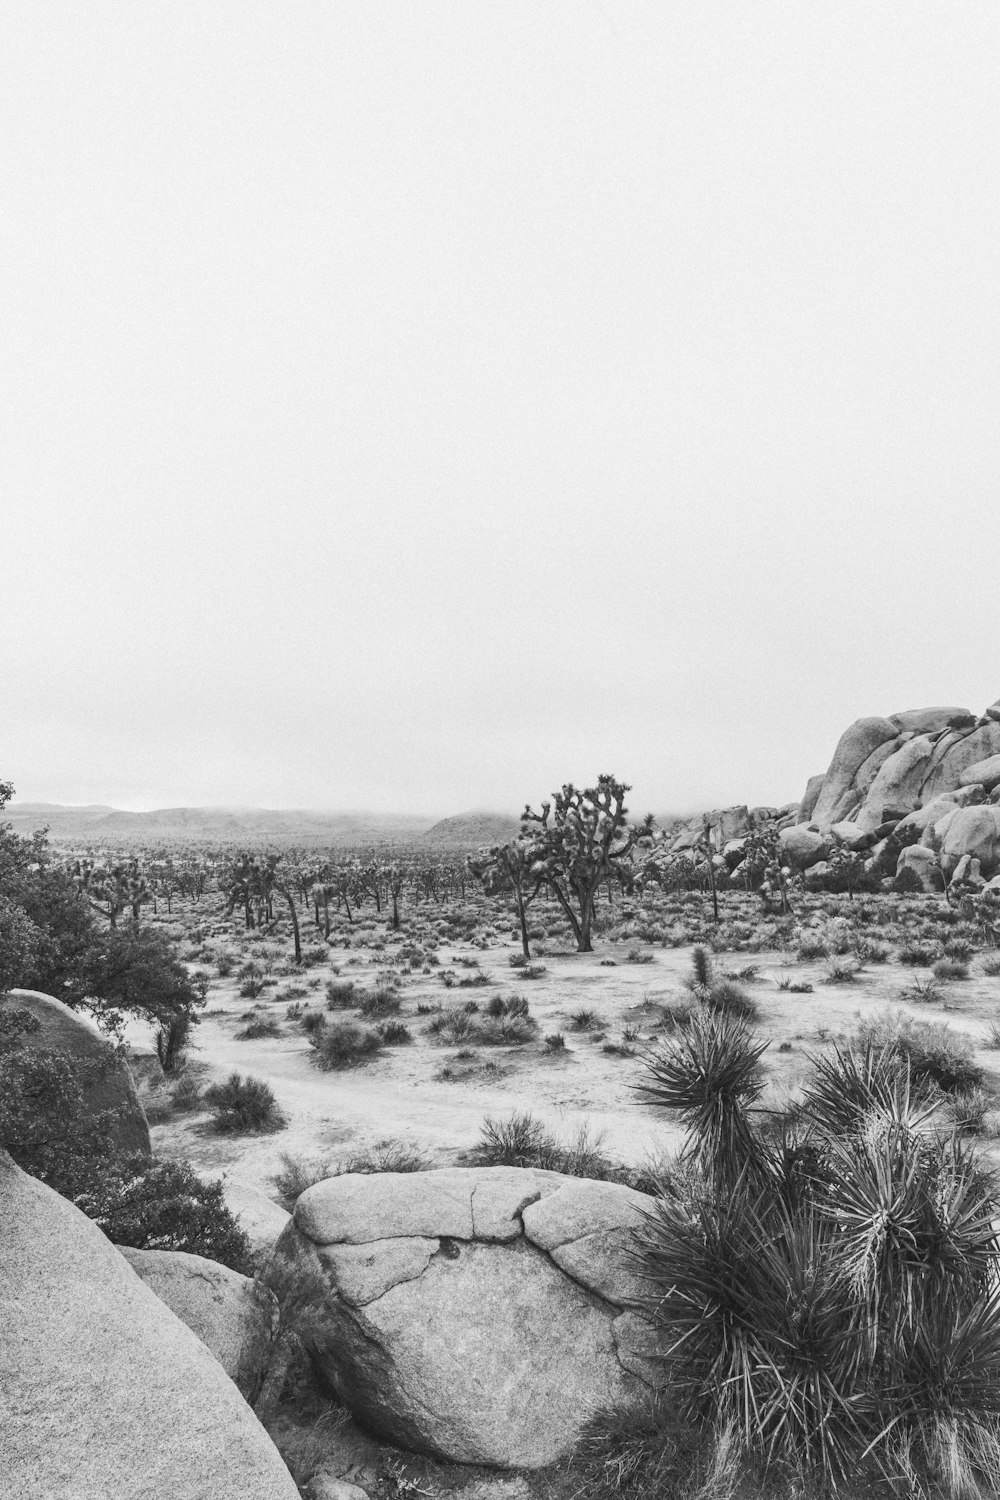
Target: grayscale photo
500, 750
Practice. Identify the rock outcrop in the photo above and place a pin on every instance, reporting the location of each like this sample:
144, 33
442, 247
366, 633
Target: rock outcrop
103, 1391
884, 776
480, 1315
105, 1079
235, 1317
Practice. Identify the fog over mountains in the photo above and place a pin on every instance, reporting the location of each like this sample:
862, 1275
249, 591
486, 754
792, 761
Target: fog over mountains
97, 824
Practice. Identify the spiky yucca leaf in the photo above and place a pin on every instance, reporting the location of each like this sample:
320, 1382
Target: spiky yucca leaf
708, 1074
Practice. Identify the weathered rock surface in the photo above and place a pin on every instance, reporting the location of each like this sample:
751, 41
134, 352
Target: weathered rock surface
803, 846
105, 1080
985, 773
961, 752
262, 1219
930, 720
480, 1314
921, 861
810, 797
844, 782
972, 831
235, 1317
103, 1391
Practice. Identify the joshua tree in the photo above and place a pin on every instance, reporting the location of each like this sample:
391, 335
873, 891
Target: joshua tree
509, 867
578, 841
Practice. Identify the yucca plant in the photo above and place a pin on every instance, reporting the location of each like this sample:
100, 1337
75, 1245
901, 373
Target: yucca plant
829, 1292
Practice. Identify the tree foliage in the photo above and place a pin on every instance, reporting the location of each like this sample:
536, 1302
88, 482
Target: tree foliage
580, 840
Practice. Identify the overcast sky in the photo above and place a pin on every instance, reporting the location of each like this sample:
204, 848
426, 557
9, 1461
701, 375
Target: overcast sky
414, 406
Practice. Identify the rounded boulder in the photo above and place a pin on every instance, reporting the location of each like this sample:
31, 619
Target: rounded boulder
105, 1080
480, 1315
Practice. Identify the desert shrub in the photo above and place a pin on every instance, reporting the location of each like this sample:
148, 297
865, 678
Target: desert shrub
261, 1026
382, 1001
726, 996
298, 1172
507, 1005
532, 971
506, 1031
811, 948
991, 967
800, 987
186, 1093
583, 1019
252, 981
345, 1044
340, 994
841, 972
918, 955
555, 1042
907, 883
453, 1025
951, 968
618, 1049
639, 956
384, 1156
517, 960
165, 1205
312, 1021
868, 952
224, 964
959, 948
521, 1140
395, 1033
935, 1054
970, 1107
243, 1104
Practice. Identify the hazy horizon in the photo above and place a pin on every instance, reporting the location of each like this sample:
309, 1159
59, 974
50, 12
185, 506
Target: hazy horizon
421, 407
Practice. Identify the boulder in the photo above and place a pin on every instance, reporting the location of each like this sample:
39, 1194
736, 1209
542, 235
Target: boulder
974, 831
959, 752
853, 836
984, 772
866, 744
993, 712
967, 872
810, 797
803, 846
104, 1077
235, 1318
479, 1315
921, 861
259, 1216
931, 720
898, 781
103, 1391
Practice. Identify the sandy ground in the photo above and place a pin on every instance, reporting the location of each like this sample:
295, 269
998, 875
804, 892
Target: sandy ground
400, 1097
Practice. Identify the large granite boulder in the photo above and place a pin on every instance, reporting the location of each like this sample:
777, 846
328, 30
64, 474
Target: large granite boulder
860, 752
898, 781
972, 831
802, 846
931, 720
810, 797
984, 773
480, 1315
104, 1077
235, 1317
956, 752
103, 1391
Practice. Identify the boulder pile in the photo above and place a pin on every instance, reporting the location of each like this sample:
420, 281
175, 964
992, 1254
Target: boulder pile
919, 791
480, 1315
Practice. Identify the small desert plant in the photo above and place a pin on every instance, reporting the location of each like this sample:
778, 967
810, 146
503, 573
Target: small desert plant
395, 1033
515, 1141
312, 1022
583, 1019
840, 972
951, 968
263, 1026
517, 961
345, 1044
186, 1093
918, 955
991, 966
383, 1001
224, 964
555, 1042
297, 1173
243, 1104
252, 981
532, 971
935, 1054
811, 948
639, 956
341, 994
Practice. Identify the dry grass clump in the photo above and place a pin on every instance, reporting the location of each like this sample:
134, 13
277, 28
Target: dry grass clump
344, 1044
243, 1104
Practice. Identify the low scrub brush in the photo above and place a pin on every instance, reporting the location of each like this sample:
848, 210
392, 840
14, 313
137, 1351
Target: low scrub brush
243, 1104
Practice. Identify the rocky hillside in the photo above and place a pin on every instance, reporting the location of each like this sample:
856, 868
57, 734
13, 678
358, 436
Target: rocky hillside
472, 830
97, 824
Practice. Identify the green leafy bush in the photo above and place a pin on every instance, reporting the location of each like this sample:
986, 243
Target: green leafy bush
164, 1205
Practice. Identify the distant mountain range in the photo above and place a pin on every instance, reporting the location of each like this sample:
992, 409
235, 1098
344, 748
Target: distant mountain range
97, 824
